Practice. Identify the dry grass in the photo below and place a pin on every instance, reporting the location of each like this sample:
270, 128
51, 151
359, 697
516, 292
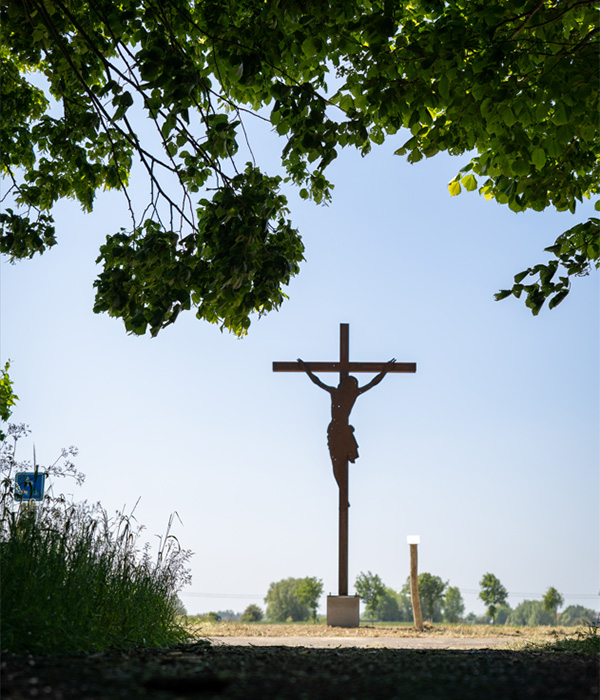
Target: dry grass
517, 634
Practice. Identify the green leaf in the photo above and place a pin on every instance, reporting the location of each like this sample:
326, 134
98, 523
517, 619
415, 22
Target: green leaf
454, 188
522, 275
311, 47
557, 298
538, 157
470, 183
509, 116
444, 87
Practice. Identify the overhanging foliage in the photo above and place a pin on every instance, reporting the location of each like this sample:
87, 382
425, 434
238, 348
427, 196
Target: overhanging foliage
511, 84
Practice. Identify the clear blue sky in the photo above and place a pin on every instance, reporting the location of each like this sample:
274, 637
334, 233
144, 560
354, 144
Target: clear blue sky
489, 452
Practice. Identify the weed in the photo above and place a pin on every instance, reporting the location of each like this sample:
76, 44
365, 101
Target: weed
73, 578
585, 641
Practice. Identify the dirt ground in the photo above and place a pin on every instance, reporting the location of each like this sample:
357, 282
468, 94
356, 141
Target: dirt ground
456, 636
347, 671
367, 642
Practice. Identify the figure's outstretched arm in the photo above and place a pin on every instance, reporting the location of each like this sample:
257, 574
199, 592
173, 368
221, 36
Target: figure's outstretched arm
378, 378
314, 378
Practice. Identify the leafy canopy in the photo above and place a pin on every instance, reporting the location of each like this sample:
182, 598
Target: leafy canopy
8, 398
552, 600
371, 590
253, 613
512, 85
431, 594
454, 606
492, 593
284, 601
309, 592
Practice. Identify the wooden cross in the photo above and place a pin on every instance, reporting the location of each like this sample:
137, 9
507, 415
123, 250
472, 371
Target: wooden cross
343, 368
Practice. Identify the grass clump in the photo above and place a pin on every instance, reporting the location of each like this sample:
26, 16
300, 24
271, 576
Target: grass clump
585, 641
73, 578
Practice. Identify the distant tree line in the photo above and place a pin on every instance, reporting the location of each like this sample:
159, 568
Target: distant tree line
439, 601
297, 600
530, 613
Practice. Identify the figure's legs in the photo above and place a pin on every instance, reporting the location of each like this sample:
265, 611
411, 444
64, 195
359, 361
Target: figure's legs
340, 471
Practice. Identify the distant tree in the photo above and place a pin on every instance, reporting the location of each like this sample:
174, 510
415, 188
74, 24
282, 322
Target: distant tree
389, 607
405, 606
370, 588
502, 614
431, 591
309, 592
252, 614
454, 607
577, 615
530, 613
492, 593
213, 617
552, 601
283, 602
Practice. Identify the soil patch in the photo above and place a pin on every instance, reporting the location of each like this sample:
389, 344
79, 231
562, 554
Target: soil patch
224, 672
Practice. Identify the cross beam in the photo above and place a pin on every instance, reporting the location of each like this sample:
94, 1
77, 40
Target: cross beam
343, 368
374, 367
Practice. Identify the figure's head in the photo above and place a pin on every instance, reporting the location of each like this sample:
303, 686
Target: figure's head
350, 382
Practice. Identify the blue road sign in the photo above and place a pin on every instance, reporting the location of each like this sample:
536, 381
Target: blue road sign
29, 486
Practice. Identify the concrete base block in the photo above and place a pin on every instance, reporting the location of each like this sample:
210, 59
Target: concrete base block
342, 610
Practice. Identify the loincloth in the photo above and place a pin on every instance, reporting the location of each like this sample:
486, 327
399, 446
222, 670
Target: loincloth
341, 442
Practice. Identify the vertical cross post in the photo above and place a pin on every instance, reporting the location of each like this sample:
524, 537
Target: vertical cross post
344, 486
344, 349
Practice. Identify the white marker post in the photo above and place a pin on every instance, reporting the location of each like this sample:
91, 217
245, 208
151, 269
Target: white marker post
413, 541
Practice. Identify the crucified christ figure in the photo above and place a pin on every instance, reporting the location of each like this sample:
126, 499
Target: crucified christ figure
342, 444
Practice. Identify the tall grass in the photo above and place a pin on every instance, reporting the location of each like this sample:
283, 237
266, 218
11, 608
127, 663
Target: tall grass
585, 641
72, 578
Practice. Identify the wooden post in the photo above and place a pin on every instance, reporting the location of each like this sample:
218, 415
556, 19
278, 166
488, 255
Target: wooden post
414, 588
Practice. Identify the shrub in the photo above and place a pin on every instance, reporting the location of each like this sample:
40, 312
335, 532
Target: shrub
73, 579
577, 615
252, 614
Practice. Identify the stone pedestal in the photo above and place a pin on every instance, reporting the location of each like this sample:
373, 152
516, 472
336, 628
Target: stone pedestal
343, 610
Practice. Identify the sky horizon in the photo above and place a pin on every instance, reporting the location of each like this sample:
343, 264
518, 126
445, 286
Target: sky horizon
489, 452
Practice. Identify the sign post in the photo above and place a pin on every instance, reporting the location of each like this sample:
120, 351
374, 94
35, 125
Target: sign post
29, 486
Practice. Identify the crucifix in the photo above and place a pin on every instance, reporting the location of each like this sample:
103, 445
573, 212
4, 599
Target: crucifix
343, 447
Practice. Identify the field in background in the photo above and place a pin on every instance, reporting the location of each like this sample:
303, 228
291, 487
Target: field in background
201, 628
